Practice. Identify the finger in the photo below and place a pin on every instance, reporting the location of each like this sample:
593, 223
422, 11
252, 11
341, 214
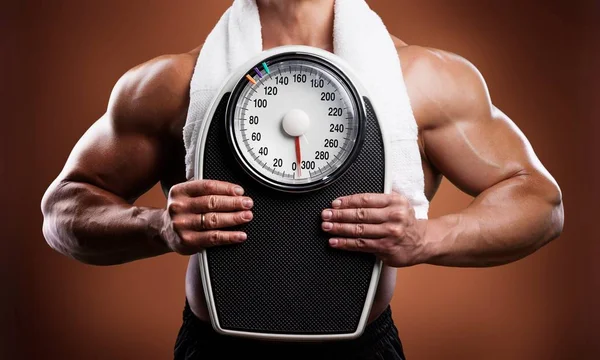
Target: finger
207, 239
360, 244
357, 215
367, 200
194, 241
211, 220
217, 203
375, 231
224, 220
210, 187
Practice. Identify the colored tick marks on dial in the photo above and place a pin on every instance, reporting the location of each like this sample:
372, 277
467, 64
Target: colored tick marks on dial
258, 72
264, 64
251, 79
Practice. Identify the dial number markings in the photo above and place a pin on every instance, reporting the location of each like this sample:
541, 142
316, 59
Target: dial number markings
298, 99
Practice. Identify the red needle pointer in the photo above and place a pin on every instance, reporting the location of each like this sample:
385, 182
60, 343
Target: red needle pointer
298, 155
295, 123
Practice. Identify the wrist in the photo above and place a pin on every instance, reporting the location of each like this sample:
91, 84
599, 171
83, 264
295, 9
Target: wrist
435, 235
160, 230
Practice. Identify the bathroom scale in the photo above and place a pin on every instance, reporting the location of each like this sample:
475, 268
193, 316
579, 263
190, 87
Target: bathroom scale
296, 129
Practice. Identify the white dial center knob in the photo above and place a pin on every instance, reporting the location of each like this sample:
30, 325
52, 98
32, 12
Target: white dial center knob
296, 122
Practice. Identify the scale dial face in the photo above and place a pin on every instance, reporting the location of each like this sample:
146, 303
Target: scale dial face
295, 122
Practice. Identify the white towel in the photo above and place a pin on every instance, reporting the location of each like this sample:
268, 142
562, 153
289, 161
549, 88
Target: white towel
361, 39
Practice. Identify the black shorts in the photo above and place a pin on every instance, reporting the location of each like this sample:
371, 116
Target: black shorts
198, 340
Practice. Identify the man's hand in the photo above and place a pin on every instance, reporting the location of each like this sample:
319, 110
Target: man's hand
383, 224
198, 210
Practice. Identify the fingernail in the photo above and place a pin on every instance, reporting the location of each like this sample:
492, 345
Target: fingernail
333, 242
327, 226
336, 203
247, 203
238, 190
242, 236
247, 215
327, 214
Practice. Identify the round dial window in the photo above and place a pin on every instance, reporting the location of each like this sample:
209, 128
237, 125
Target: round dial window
295, 121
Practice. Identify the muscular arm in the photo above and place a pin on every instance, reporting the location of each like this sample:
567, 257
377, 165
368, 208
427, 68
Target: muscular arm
88, 211
517, 206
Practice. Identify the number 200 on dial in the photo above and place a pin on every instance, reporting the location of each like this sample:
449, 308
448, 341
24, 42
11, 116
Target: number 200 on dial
294, 122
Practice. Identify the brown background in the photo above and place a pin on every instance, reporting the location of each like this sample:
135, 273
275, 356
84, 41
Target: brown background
59, 61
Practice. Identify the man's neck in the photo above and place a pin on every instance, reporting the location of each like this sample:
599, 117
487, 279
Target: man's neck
296, 22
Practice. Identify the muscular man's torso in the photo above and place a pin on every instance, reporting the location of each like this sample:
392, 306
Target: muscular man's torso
175, 172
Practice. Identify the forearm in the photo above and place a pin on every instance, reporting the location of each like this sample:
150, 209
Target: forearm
504, 223
96, 227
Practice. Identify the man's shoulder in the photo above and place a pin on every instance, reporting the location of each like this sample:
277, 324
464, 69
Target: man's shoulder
153, 94
442, 85
423, 61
